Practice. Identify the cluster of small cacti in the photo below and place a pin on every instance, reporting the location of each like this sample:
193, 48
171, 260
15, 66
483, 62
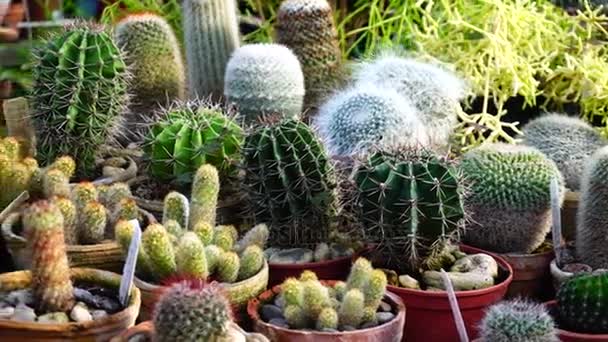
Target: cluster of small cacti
518, 321
309, 304
16, 172
582, 303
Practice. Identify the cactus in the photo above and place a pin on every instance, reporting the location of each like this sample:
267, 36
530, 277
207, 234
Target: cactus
592, 212
359, 274
68, 210
307, 28
154, 58
359, 118
55, 183
16, 173
83, 193
510, 197
295, 317
223, 237
127, 210
192, 312
291, 183
174, 228
569, 142
212, 34
351, 309
176, 207
92, 221
308, 275
411, 203
190, 256
328, 319
79, 95
111, 196
292, 292
256, 236
51, 284
517, 320
157, 245
189, 135
204, 231
252, 261
264, 79
375, 288
582, 303
213, 254
315, 297
65, 164
205, 191
123, 232
227, 266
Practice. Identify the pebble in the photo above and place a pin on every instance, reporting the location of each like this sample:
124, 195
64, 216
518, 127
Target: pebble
385, 307
270, 311
24, 313
97, 300
24, 296
347, 328
369, 325
329, 330
269, 252
339, 251
279, 301
322, 252
7, 312
279, 322
54, 317
98, 314
80, 313
139, 338
292, 256
384, 317
408, 282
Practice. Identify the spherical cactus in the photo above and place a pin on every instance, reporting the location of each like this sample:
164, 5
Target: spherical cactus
328, 319
518, 321
510, 197
92, 220
204, 231
359, 118
256, 236
11, 148
51, 284
157, 245
264, 79
187, 312
190, 257
79, 95
176, 207
351, 309
583, 303
411, 225
205, 191
123, 233
70, 215
291, 183
252, 261
592, 212
569, 142
83, 193
189, 135
55, 183
228, 265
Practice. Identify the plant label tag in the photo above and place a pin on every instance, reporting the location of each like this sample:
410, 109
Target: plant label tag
458, 320
128, 272
556, 228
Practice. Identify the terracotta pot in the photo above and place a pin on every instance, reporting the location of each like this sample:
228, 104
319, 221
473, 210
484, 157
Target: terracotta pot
430, 307
559, 276
238, 293
391, 331
98, 330
569, 209
337, 269
570, 336
531, 275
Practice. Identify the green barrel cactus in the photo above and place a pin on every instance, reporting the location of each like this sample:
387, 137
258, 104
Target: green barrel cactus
518, 320
79, 96
568, 141
411, 202
509, 197
190, 135
582, 304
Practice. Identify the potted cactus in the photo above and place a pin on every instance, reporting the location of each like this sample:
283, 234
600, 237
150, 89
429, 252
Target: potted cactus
54, 302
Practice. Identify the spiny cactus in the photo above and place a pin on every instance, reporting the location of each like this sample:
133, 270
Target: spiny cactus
359, 274
291, 183
375, 288
174, 228
79, 95
205, 191
591, 227
328, 319
411, 203
157, 245
176, 207
582, 304
568, 141
70, 219
362, 117
518, 321
154, 58
213, 254
252, 261
256, 236
510, 197
264, 79
351, 309
190, 256
55, 183
228, 265
307, 28
51, 284
205, 232
189, 135
127, 210
212, 34
123, 233
65, 164
224, 236
92, 220
83, 193
111, 196
16, 172
192, 312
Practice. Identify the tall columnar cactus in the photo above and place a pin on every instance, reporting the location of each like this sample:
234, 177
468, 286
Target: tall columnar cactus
187, 312
307, 28
291, 183
79, 96
510, 197
51, 284
362, 117
568, 141
583, 304
411, 203
190, 135
176, 207
263, 79
591, 229
155, 60
156, 243
518, 320
205, 191
211, 33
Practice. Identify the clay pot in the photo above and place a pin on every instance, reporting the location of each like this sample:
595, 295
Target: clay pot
391, 331
337, 269
99, 330
559, 276
571, 336
531, 275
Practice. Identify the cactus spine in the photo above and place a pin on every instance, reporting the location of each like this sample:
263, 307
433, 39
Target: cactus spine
205, 191
582, 303
518, 321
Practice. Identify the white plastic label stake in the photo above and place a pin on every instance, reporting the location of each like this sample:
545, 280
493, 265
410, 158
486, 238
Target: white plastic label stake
128, 272
556, 229
462, 331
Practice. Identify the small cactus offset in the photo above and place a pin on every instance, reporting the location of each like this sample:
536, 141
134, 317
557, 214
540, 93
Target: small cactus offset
70, 219
156, 242
252, 261
205, 191
55, 183
264, 79
111, 196
359, 274
351, 308
509, 197
65, 164
205, 232
123, 232
16, 173
256, 236
568, 141
582, 303
176, 207
127, 210
228, 265
190, 257
92, 221
83, 193
211, 33
518, 321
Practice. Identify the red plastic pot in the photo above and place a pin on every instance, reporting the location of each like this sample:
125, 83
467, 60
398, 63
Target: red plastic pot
429, 317
391, 331
531, 275
570, 336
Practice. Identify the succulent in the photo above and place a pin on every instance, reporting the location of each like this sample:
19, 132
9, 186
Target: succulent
356, 119
127, 210
410, 203
591, 227
328, 319
510, 197
123, 233
16, 172
568, 141
264, 79
156, 243
190, 256
211, 33
79, 95
92, 220
224, 237
228, 265
70, 216
110, 196
351, 308
256, 236
83, 193
205, 191
176, 207
189, 135
359, 274
205, 232
291, 183
55, 183
582, 303
252, 261
518, 321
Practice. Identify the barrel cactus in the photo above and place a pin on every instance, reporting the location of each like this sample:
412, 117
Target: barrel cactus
582, 304
79, 96
518, 321
510, 197
568, 141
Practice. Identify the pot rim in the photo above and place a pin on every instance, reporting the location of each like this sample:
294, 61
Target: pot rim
572, 334
314, 264
528, 255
